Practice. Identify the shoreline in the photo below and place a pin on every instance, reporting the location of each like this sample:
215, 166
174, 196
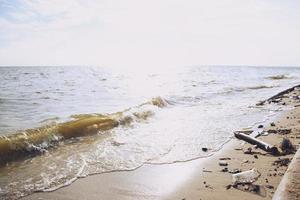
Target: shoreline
202, 178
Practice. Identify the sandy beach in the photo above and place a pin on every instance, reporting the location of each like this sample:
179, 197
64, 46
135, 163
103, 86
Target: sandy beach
150, 100
202, 178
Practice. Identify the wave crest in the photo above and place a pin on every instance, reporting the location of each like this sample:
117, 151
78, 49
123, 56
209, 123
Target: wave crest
38, 140
278, 77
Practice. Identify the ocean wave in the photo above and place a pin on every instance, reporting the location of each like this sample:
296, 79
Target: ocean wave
258, 87
38, 140
242, 89
278, 77
185, 100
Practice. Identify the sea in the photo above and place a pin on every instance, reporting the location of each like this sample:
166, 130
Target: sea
61, 123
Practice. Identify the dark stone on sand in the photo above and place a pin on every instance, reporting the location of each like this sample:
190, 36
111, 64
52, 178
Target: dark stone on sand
204, 149
272, 124
225, 169
255, 156
260, 126
225, 158
248, 151
223, 163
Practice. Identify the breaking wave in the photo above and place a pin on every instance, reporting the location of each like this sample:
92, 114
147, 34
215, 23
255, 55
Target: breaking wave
38, 140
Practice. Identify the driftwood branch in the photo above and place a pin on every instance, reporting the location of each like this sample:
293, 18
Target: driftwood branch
260, 144
279, 95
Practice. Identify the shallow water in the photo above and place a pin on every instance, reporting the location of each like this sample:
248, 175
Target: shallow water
61, 123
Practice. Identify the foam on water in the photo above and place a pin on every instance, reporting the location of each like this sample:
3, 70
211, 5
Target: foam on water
64, 123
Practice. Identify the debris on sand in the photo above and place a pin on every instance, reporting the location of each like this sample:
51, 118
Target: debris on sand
249, 187
224, 169
287, 147
269, 187
247, 132
282, 162
258, 143
244, 181
248, 151
245, 161
280, 131
238, 149
246, 176
225, 158
223, 163
234, 171
209, 171
207, 185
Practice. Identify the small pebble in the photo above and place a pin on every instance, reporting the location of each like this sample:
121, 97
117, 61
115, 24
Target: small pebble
225, 169
245, 161
223, 163
204, 149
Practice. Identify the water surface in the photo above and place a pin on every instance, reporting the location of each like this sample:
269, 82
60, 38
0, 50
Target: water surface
70, 122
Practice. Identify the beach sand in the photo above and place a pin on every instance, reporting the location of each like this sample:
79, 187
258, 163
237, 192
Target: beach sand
198, 179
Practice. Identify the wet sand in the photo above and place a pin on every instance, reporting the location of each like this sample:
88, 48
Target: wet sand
198, 179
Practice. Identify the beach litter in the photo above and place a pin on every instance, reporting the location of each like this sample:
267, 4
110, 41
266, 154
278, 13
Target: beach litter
249, 176
244, 181
258, 143
282, 162
280, 131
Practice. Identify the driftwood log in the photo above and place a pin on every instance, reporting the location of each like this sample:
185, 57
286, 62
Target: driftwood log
279, 95
260, 144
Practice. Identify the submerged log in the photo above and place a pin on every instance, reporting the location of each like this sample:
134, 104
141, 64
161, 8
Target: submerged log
260, 144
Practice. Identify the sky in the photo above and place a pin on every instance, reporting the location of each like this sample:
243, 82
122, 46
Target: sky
150, 33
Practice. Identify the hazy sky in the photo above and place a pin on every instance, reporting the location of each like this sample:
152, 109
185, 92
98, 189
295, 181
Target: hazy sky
149, 33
